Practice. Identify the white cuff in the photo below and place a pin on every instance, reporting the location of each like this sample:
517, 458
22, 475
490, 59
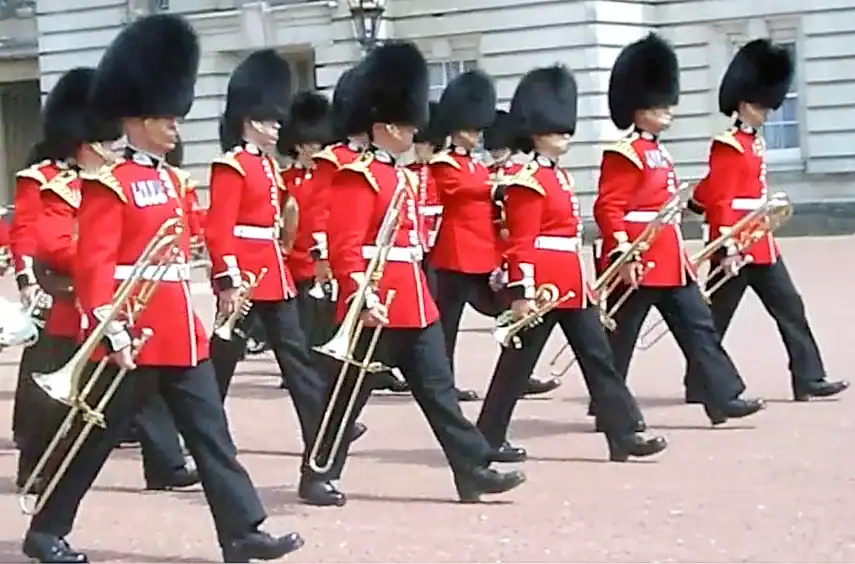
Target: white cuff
115, 332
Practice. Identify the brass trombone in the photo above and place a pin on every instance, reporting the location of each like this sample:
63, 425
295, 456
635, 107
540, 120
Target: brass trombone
743, 235
224, 325
66, 384
610, 280
342, 347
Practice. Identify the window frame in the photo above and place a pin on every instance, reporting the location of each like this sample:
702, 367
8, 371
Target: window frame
789, 158
450, 68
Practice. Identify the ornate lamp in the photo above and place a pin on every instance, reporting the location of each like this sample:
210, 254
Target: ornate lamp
367, 15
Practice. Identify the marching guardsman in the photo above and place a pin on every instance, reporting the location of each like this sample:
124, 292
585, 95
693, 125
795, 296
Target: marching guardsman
500, 142
244, 231
544, 239
754, 85
123, 206
467, 249
305, 132
636, 179
393, 101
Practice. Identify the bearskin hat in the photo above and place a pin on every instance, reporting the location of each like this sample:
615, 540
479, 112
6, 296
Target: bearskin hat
309, 119
760, 73
344, 98
468, 103
500, 134
432, 132
175, 157
148, 70
392, 87
645, 75
68, 120
259, 89
545, 102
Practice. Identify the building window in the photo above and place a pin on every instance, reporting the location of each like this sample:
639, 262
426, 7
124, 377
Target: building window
781, 131
441, 73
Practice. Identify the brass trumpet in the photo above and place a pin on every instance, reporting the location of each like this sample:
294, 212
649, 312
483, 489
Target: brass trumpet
225, 325
547, 297
66, 384
742, 236
342, 346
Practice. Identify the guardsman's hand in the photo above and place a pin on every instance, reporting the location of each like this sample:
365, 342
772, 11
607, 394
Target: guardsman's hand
322, 270
522, 308
226, 301
376, 315
631, 272
28, 294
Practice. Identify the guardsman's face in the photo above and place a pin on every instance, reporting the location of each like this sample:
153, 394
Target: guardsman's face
305, 152
554, 144
265, 134
655, 120
468, 139
500, 155
162, 132
402, 136
754, 114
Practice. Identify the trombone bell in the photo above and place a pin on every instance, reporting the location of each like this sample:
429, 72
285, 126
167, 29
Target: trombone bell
58, 385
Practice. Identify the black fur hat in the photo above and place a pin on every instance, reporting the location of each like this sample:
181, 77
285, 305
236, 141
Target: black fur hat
468, 103
392, 87
760, 73
431, 133
175, 157
500, 134
67, 119
545, 102
259, 89
148, 70
645, 75
344, 98
309, 119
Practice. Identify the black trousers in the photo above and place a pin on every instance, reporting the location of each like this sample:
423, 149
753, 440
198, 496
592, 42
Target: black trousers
420, 355
161, 450
775, 288
317, 317
281, 322
192, 397
690, 321
617, 410
453, 291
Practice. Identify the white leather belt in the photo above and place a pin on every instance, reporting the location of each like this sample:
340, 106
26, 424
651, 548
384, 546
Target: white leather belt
396, 254
169, 273
554, 243
642, 216
254, 232
429, 211
747, 204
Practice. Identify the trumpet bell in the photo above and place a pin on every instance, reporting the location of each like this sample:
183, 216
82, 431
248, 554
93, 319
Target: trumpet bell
338, 348
16, 326
58, 385
224, 332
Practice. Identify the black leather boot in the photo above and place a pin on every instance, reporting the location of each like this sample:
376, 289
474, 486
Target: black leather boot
43, 547
259, 545
486, 481
637, 446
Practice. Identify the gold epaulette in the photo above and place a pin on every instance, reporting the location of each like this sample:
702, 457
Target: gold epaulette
727, 138
34, 172
230, 160
104, 176
524, 177
362, 166
412, 178
277, 174
624, 147
60, 185
327, 154
444, 157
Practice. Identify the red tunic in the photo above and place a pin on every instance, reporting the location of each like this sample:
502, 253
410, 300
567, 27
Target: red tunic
429, 204
499, 175
243, 223
28, 207
195, 213
300, 183
57, 247
545, 233
123, 206
468, 240
734, 186
363, 192
636, 179
327, 162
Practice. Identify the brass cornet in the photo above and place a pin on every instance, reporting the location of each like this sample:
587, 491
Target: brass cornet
225, 324
66, 384
547, 297
742, 236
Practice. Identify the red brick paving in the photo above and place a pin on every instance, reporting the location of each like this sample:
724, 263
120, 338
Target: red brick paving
776, 489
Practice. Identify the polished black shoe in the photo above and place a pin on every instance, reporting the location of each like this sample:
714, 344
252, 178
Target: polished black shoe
640, 427
467, 395
42, 547
637, 446
819, 389
734, 409
508, 453
259, 545
539, 387
182, 478
359, 429
320, 494
486, 481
